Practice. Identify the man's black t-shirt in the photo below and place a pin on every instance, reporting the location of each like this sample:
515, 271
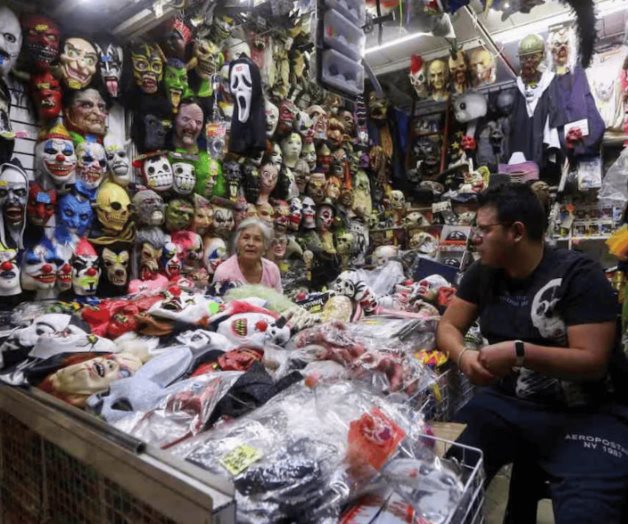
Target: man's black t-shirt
565, 289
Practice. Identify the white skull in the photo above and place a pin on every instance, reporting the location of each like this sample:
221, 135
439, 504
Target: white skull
397, 199
240, 84
158, 173
345, 284
91, 163
419, 82
184, 178
543, 313
416, 218
383, 254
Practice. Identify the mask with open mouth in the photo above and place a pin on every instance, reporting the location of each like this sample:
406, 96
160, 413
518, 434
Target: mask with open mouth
176, 82
118, 163
41, 41
46, 92
171, 260
75, 214
188, 127
39, 266
157, 173
13, 197
148, 67
41, 204
9, 273
150, 207
64, 270
110, 66
11, 41
85, 269
91, 164
56, 158
77, 63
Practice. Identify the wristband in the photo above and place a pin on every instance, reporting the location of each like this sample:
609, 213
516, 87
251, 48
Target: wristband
519, 353
460, 356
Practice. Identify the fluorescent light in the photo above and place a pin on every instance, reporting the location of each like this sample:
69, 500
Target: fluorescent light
396, 42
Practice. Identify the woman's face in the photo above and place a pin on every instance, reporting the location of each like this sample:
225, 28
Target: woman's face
251, 244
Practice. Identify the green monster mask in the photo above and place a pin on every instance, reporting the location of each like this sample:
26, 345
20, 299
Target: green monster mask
148, 67
176, 82
179, 215
209, 178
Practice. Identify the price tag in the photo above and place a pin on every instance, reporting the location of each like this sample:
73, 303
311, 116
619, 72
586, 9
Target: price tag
240, 458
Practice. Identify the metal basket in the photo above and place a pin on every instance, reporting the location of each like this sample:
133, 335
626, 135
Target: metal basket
436, 403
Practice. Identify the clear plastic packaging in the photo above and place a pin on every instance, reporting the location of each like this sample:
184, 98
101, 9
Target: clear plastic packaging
342, 35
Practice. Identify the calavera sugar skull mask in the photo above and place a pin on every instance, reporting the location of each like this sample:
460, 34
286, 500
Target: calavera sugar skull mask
46, 92
41, 204
85, 269
11, 42
116, 264
110, 66
148, 67
78, 62
113, 206
179, 214
75, 214
91, 165
157, 173
87, 112
41, 41
39, 266
184, 178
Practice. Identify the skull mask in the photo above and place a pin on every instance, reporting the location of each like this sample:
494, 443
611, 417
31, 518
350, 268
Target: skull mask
383, 254
110, 66
11, 41
78, 63
184, 178
113, 206
85, 269
118, 164
241, 87
157, 173
91, 163
41, 41
345, 284
46, 92
150, 207
116, 264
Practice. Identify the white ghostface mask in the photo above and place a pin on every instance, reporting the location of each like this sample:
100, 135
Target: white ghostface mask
240, 84
184, 178
158, 173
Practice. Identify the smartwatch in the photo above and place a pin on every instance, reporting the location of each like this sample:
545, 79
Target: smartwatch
519, 353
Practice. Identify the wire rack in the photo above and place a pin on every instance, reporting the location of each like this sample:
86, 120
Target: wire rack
39, 482
437, 400
459, 391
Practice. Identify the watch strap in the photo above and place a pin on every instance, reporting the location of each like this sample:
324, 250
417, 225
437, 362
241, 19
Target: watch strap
519, 353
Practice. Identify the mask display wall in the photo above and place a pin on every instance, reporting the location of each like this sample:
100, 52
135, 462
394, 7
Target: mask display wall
11, 42
77, 63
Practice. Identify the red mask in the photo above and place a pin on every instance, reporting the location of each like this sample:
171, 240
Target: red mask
46, 92
41, 41
41, 204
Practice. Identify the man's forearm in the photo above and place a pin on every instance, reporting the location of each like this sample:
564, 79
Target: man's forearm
450, 341
563, 362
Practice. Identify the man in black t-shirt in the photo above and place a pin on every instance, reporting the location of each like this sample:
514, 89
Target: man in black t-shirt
549, 318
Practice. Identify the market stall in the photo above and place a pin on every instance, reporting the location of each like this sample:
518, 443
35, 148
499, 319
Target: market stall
229, 231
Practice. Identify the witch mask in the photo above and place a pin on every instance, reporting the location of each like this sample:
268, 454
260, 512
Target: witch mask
41, 41
110, 66
77, 62
11, 43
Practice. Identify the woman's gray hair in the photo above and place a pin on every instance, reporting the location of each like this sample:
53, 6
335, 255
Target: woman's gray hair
247, 223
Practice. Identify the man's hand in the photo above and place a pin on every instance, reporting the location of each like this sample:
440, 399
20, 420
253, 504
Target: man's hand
499, 358
474, 370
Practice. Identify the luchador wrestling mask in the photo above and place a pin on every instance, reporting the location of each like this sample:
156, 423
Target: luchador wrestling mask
203, 215
75, 214
241, 88
223, 222
41, 204
78, 62
39, 266
11, 42
46, 92
483, 67
87, 112
176, 82
272, 117
148, 67
113, 206
531, 56
188, 126
208, 57
215, 252
179, 214
150, 208
91, 165
171, 260
459, 71
41, 41
9, 273
116, 263
85, 269
184, 178
110, 66
55, 156
157, 173
13, 197
418, 76
118, 163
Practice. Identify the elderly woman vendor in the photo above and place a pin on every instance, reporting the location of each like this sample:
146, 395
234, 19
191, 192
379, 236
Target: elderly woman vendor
247, 265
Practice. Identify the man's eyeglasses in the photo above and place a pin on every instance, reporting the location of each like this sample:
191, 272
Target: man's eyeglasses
484, 229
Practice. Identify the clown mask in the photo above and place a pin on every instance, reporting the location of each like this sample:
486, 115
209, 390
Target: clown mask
215, 252
324, 217
64, 270
281, 217
184, 178
46, 92
85, 269
272, 117
316, 187
9, 273
179, 214
309, 213
87, 112
418, 76
78, 62
41, 204
188, 126
223, 222
148, 67
91, 164
118, 164
11, 41
560, 44
41, 41
75, 214
176, 82
116, 264
171, 260
110, 67
39, 267
113, 206
157, 173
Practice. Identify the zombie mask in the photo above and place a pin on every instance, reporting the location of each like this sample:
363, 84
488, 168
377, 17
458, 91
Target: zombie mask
118, 164
203, 215
176, 82
268, 178
150, 208
296, 214
91, 165
287, 113
87, 112
482, 66
206, 178
241, 88
9, 273
316, 187
531, 56
215, 252
179, 214
148, 67
39, 266
184, 178
266, 213
208, 58
110, 66
459, 71
272, 117
41, 41
116, 264
46, 92
438, 77
11, 42
85, 269
78, 62
113, 206
223, 222
157, 173
291, 147
344, 241
308, 153
41, 204
171, 260
319, 119
560, 45
324, 217
13, 197
188, 126
309, 213
349, 122
75, 214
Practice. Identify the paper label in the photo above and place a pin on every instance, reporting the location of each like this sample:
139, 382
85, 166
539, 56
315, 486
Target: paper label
582, 124
240, 458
